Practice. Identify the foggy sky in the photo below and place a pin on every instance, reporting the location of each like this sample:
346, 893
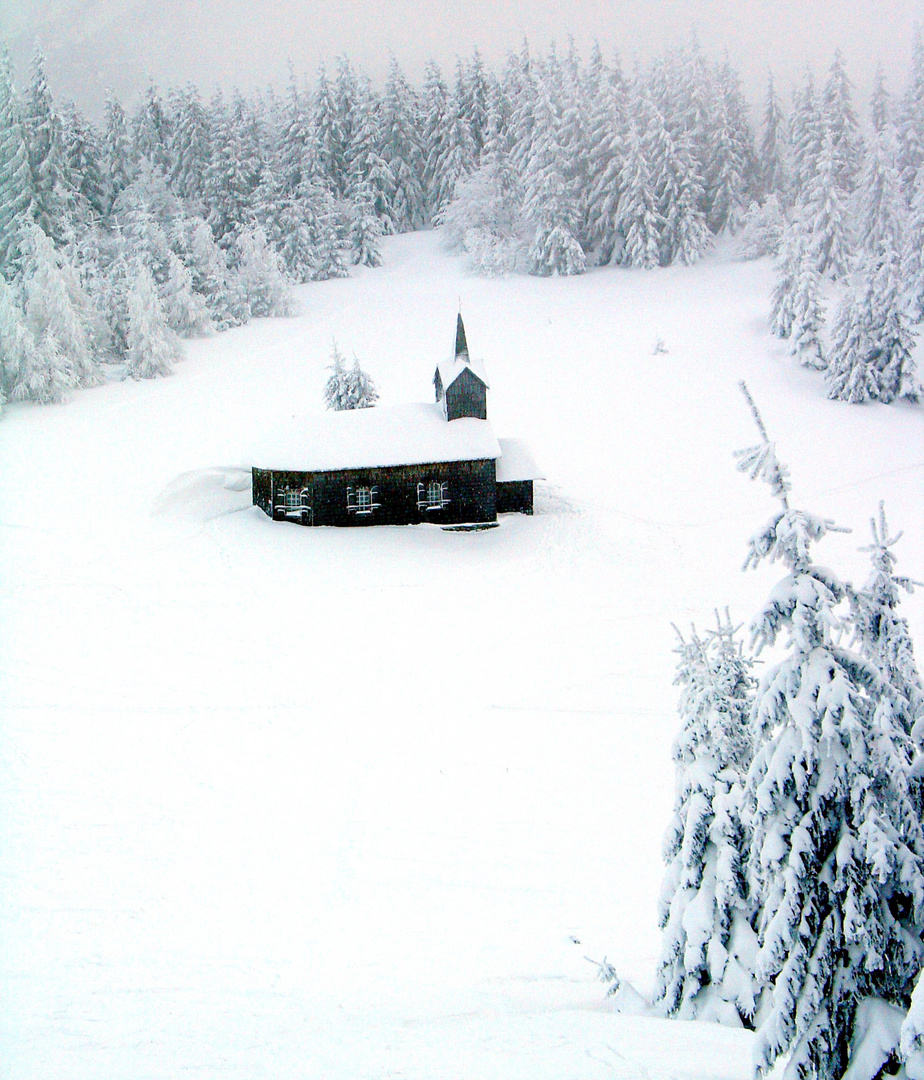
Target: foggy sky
94, 44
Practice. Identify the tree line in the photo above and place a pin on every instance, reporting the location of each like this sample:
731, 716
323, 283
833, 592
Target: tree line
844, 215
548, 166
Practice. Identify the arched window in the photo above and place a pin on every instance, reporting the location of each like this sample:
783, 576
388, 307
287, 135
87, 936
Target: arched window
432, 495
362, 500
293, 503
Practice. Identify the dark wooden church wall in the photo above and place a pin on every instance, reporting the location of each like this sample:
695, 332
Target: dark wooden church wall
471, 492
515, 497
261, 490
467, 397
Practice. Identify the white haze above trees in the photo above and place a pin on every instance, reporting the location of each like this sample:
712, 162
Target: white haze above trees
95, 44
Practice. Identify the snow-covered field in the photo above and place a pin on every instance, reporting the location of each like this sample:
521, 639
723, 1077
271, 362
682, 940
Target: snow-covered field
281, 802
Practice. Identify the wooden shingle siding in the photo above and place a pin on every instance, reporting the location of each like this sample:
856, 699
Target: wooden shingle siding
467, 396
261, 490
515, 497
470, 488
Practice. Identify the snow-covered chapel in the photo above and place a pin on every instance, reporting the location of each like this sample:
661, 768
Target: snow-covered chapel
400, 464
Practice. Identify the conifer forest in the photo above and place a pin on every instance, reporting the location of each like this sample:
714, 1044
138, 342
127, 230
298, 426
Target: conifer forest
188, 216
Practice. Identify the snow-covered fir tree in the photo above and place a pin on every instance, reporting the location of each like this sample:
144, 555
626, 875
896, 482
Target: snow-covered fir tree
186, 310
880, 105
882, 635
453, 155
287, 221
348, 388
361, 391
434, 103
881, 210
637, 218
189, 144
85, 188
402, 151
685, 236
791, 258
914, 251
232, 175
272, 203
328, 151
762, 228
549, 209
212, 278
706, 966
730, 174
56, 305
336, 389
295, 159
607, 132
911, 1045
474, 98
872, 339
822, 204
773, 174
910, 116
850, 376
575, 117
153, 348
370, 176
43, 139
328, 225
883, 265
261, 276
33, 369
484, 218
836, 874
16, 193
118, 165
351, 93
365, 229
806, 330
21, 369
891, 335
806, 134
841, 125
142, 228
48, 377
152, 130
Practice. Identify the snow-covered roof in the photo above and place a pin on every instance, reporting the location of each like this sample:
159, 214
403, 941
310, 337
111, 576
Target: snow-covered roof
416, 434
451, 368
516, 462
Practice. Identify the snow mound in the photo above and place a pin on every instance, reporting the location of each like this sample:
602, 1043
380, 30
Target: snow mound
204, 494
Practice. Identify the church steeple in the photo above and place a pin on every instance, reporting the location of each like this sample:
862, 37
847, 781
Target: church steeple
460, 382
461, 343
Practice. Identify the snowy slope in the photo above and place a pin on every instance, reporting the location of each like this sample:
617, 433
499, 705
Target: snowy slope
319, 803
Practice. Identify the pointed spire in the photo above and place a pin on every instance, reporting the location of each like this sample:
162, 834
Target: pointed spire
461, 343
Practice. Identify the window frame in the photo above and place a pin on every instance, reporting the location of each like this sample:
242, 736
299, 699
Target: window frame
432, 495
362, 499
292, 501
